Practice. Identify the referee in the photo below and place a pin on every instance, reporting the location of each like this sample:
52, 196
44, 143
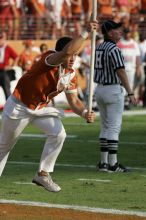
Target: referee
110, 75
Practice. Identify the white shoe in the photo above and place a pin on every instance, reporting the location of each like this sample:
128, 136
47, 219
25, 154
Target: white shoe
46, 182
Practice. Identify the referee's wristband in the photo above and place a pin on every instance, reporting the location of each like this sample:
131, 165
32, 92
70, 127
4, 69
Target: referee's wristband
130, 94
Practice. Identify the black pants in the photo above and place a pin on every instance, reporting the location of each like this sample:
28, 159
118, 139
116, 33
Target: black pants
5, 82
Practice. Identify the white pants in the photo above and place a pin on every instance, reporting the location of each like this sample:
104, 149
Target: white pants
110, 100
16, 117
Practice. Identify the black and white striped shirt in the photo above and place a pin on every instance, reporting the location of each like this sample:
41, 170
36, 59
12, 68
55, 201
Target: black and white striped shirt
108, 58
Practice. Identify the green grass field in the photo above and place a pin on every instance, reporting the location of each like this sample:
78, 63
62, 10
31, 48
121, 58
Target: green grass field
75, 170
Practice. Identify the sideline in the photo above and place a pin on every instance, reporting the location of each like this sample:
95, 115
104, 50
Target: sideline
74, 207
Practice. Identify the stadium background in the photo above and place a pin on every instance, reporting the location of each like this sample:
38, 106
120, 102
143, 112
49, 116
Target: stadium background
29, 24
44, 21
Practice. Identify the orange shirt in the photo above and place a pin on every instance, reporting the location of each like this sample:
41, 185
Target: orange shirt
65, 9
135, 6
87, 6
143, 4
25, 59
35, 7
105, 7
76, 8
41, 80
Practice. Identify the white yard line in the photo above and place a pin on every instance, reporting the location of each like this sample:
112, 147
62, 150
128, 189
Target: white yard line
121, 142
96, 180
67, 165
74, 207
24, 135
136, 112
23, 183
42, 136
143, 175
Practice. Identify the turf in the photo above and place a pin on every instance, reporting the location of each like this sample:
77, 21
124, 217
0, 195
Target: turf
119, 191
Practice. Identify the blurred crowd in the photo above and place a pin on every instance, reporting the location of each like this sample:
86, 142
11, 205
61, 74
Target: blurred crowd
134, 53
48, 19
29, 20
